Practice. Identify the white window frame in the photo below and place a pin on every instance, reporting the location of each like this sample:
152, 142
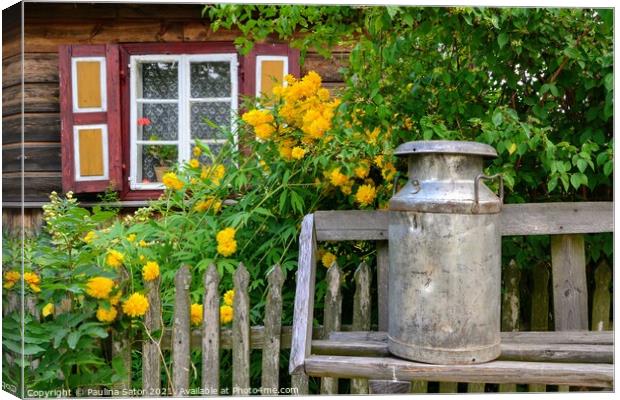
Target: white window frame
259, 70
102, 81
76, 152
184, 140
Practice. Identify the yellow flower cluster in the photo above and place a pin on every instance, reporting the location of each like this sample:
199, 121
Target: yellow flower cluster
214, 173
33, 280
195, 314
261, 121
150, 271
114, 258
89, 237
365, 195
226, 243
171, 181
136, 305
229, 297
328, 259
196, 151
10, 279
47, 310
226, 314
106, 315
194, 163
298, 152
131, 237
99, 287
209, 204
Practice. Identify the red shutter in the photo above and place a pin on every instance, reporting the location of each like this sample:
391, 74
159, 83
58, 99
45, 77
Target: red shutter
90, 118
264, 50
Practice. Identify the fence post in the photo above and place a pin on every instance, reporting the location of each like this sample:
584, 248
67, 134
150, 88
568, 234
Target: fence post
273, 330
510, 308
241, 333
331, 320
361, 315
151, 360
181, 332
602, 298
570, 289
540, 308
211, 333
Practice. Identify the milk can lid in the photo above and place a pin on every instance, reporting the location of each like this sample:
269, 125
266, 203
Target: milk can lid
446, 147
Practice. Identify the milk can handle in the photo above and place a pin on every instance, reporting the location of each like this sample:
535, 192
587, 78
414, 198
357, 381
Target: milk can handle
485, 177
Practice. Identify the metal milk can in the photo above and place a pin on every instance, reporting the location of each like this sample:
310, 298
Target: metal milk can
445, 256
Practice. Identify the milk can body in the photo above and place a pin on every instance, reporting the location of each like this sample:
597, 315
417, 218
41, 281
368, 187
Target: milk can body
445, 257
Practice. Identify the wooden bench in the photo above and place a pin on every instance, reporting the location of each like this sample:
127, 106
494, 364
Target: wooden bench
574, 356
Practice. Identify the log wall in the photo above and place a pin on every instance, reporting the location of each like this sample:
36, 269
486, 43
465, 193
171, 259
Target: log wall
49, 25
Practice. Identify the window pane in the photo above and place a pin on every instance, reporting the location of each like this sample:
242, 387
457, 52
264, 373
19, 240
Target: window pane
154, 161
204, 158
217, 113
158, 121
210, 79
160, 80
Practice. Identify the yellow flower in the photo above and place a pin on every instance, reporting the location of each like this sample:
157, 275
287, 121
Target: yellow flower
131, 237
388, 172
229, 297
106, 315
99, 287
194, 163
372, 136
142, 243
337, 178
196, 314
196, 151
150, 271
35, 288
208, 204
226, 243
136, 305
257, 117
31, 278
48, 309
298, 152
116, 298
89, 237
347, 188
365, 195
215, 173
171, 181
285, 152
379, 161
362, 170
10, 279
226, 314
114, 258
328, 259
264, 131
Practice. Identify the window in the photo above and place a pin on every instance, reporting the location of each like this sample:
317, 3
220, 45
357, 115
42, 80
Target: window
131, 111
174, 101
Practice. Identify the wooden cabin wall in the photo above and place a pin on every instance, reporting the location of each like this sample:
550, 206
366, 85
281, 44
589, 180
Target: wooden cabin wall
48, 25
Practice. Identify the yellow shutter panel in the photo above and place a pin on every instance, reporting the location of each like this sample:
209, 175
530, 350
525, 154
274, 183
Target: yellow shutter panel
90, 152
88, 74
272, 74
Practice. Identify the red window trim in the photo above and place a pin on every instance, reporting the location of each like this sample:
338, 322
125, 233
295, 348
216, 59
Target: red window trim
247, 86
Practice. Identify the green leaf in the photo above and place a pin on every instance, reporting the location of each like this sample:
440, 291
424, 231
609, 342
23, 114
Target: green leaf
498, 118
609, 81
502, 39
608, 168
552, 184
73, 338
577, 179
582, 164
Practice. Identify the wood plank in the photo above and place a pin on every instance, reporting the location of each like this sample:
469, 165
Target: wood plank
151, 357
539, 316
569, 353
516, 219
72, 11
383, 266
511, 279
388, 387
200, 31
46, 36
37, 185
241, 332
564, 337
211, 333
594, 375
38, 98
38, 68
181, 332
570, 288
11, 40
361, 315
332, 317
327, 68
601, 300
270, 370
304, 299
38, 127
37, 157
